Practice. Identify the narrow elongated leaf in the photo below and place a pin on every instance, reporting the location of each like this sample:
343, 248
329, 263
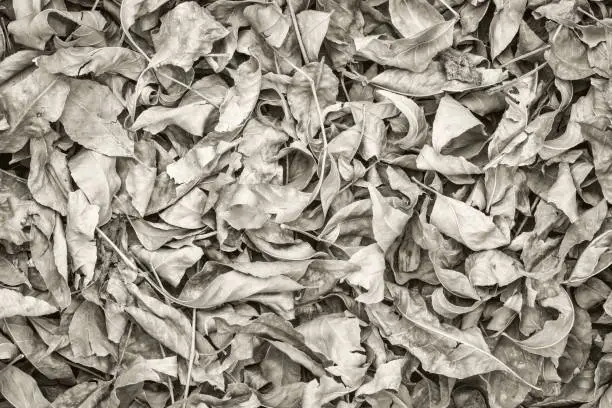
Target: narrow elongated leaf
16, 304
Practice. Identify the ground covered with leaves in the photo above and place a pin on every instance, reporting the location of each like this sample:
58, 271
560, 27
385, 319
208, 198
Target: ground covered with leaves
305, 203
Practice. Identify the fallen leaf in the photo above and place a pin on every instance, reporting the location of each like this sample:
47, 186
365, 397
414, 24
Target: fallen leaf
467, 225
28, 106
80, 61
82, 221
313, 26
97, 178
170, 264
187, 32
241, 98
90, 119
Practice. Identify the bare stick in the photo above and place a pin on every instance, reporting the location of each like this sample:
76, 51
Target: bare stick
297, 32
526, 55
191, 358
514, 81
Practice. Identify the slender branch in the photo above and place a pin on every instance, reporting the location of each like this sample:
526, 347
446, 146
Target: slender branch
297, 32
13, 361
457, 16
426, 187
170, 387
191, 358
516, 80
526, 55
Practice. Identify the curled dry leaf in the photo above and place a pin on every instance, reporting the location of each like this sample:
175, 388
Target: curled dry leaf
334, 203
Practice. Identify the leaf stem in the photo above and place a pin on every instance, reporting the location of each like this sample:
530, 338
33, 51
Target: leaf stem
191, 358
170, 387
16, 177
12, 362
597, 20
297, 32
445, 4
516, 80
426, 187
526, 55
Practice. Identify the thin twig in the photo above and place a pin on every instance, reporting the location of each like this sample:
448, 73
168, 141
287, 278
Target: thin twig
457, 16
516, 80
297, 32
426, 187
127, 339
126, 31
526, 55
586, 13
118, 251
13, 361
170, 387
309, 235
191, 358
524, 222
16, 177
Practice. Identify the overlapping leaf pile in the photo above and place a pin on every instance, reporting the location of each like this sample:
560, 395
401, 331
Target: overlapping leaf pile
340, 203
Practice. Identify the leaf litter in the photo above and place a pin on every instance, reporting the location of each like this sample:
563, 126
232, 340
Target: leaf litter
339, 203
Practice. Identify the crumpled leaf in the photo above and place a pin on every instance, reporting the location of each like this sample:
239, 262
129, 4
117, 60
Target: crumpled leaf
34, 30
337, 338
456, 129
467, 225
28, 106
301, 100
87, 332
80, 61
241, 98
82, 220
269, 22
187, 32
372, 266
203, 291
493, 267
432, 81
388, 376
48, 180
584, 228
592, 260
387, 222
170, 264
553, 331
412, 53
459, 353
164, 323
97, 178
568, 56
